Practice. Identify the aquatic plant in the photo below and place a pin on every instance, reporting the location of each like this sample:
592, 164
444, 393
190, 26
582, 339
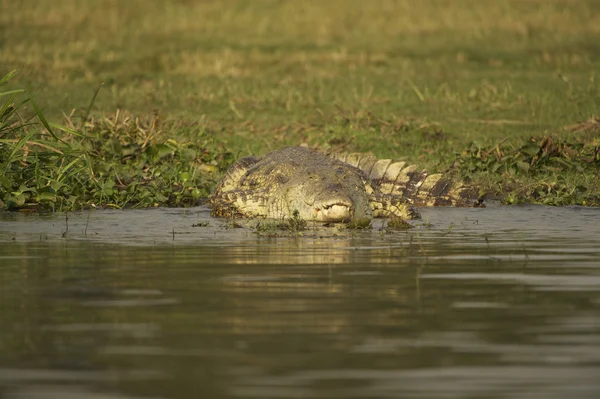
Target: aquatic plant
113, 161
546, 170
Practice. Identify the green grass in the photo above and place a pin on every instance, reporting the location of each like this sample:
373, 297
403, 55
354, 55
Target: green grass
113, 161
412, 80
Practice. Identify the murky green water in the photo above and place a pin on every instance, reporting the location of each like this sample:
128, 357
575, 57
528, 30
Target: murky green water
502, 302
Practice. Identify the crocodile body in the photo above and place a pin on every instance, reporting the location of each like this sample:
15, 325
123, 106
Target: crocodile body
332, 188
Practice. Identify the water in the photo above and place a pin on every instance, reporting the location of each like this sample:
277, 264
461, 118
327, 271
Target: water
502, 302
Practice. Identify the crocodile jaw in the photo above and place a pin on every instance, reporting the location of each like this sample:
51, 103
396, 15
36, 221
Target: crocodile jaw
335, 213
341, 209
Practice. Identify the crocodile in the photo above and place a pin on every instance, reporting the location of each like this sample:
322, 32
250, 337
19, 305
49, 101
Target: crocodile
333, 188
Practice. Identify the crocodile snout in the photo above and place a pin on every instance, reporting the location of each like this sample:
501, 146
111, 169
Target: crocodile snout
342, 212
336, 205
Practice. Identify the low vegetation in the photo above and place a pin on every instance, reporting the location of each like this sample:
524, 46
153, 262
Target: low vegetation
291, 226
504, 94
544, 170
113, 161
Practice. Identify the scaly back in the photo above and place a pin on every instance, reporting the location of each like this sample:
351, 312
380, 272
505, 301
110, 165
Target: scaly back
412, 183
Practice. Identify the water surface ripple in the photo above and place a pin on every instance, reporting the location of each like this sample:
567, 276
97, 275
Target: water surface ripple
502, 302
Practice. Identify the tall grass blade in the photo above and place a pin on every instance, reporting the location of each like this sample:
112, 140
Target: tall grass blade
72, 132
18, 147
11, 74
65, 169
89, 108
13, 92
42, 119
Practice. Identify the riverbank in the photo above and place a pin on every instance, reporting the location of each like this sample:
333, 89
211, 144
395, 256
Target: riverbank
503, 94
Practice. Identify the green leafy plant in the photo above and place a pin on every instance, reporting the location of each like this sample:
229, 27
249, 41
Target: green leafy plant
114, 161
545, 170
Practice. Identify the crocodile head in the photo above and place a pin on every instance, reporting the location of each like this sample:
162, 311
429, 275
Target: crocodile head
330, 199
296, 179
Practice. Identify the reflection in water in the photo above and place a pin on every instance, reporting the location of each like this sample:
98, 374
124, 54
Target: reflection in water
501, 302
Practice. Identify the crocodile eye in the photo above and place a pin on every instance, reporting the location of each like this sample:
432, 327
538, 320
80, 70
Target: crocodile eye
281, 179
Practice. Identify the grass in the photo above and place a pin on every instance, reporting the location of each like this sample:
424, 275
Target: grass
113, 161
455, 85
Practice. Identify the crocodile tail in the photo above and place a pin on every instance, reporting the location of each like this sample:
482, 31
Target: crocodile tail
412, 183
